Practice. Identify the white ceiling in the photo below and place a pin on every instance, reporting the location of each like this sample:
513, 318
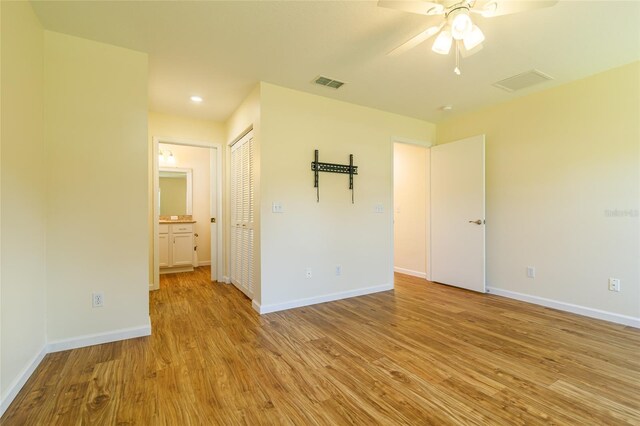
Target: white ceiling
220, 50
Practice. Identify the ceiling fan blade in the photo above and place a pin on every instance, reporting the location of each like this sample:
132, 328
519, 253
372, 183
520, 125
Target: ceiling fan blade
491, 8
419, 7
466, 53
416, 40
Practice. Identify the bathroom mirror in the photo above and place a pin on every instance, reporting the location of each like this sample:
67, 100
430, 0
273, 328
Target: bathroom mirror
175, 191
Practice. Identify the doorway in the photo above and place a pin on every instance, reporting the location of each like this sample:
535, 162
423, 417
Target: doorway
201, 161
411, 208
439, 212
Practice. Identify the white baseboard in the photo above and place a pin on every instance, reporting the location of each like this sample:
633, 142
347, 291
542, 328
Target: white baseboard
410, 272
568, 307
265, 309
22, 378
99, 338
204, 263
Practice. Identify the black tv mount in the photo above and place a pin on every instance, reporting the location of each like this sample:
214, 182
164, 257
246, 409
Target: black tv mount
317, 167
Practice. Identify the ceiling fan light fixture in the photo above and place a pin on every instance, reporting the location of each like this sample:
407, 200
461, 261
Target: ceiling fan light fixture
489, 9
461, 23
442, 44
438, 9
473, 38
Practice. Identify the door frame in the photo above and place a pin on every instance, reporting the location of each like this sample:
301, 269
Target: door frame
215, 181
427, 145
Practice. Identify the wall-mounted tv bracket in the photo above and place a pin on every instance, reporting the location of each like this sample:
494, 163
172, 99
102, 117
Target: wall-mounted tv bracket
317, 167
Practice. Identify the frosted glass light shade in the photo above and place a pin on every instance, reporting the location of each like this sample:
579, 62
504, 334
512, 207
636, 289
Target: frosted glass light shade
461, 25
442, 44
473, 38
171, 159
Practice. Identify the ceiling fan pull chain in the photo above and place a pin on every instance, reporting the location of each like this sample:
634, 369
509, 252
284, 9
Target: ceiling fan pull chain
457, 68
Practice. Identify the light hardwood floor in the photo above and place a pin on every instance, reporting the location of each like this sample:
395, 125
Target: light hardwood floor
422, 354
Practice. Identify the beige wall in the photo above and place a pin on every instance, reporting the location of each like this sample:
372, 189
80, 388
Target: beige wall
410, 192
96, 137
557, 162
23, 199
334, 231
197, 159
172, 126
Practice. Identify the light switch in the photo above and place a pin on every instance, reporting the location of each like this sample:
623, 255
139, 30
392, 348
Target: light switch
276, 207
379, 208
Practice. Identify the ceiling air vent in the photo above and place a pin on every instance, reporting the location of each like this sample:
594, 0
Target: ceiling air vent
329, 82
521, 81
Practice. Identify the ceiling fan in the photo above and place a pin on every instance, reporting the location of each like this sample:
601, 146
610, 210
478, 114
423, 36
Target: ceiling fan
453, 22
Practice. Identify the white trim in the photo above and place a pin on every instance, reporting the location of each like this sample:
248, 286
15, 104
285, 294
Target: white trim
568, 307
99, 338
174, 269
66, 344
226, 280
22, 378
204, 262
410, 272
399, 139
265, 309
244, 133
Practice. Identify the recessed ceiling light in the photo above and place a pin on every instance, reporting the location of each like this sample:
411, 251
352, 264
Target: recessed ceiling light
196, 99
447, 108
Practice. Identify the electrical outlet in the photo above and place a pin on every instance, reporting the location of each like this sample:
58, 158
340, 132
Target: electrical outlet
531, 271
97, 299
309, 274
338, 270
276, 207
614, 284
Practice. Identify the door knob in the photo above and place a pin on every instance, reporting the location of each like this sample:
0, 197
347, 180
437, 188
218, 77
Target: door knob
477, 222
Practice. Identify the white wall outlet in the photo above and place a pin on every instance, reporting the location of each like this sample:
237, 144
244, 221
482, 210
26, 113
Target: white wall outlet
308, 272
531, 271
97, 299
614, 284
338, 270
378, 208
276, 207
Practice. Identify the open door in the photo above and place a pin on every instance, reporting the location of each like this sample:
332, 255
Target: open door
213, 213
458, 214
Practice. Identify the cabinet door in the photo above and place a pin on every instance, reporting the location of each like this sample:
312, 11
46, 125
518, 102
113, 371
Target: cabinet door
182, 250
164, 250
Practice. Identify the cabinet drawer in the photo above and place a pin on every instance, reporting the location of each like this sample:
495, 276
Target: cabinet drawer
163, 229
181, 228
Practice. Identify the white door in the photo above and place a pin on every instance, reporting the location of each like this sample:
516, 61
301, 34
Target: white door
457, 214
213, 213
242, 215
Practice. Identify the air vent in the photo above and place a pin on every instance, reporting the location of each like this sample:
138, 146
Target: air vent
329, 82
521, 81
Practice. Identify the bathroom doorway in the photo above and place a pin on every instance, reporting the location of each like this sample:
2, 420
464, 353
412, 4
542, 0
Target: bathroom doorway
187, 207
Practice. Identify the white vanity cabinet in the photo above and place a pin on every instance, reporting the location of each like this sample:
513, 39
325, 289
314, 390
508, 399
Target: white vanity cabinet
176, 247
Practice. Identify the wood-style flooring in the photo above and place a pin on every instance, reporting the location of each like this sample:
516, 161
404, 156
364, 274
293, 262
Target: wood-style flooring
421, 354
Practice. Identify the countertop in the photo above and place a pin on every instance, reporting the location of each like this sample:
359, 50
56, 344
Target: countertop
162, 222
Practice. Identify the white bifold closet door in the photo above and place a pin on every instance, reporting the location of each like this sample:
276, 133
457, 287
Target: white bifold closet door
242, 207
